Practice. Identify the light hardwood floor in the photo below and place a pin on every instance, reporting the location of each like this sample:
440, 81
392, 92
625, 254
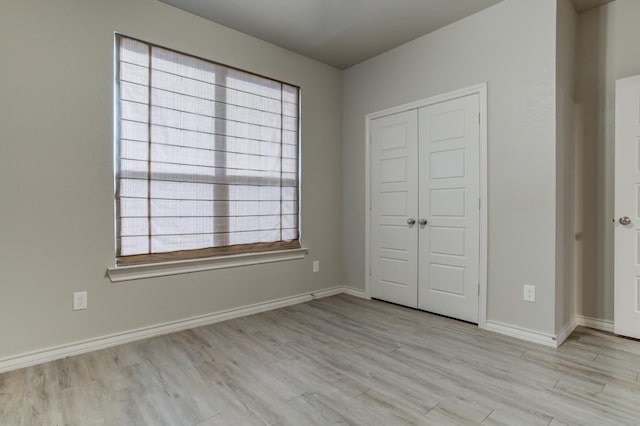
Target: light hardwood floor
339, 360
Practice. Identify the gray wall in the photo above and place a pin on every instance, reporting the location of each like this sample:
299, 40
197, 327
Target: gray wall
511, 46
565, 164
607, 50
56, 172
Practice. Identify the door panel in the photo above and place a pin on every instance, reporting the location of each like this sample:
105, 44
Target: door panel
627, 205
394, 195
449, 162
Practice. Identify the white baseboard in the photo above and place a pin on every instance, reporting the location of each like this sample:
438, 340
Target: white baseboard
521, 333
327, 292
76, 348
356, 292
566, 332
531, 335
595, 323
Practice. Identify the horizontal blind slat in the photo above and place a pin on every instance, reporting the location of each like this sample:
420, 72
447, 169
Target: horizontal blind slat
271, 150
170, 166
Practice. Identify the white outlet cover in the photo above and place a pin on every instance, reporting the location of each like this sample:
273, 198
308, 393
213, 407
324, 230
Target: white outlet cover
529, 293
316, 266
79, 300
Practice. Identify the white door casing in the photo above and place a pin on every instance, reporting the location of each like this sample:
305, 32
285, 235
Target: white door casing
394, 202
449, 203
627, 208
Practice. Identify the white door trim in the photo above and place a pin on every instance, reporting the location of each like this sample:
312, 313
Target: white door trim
481, 91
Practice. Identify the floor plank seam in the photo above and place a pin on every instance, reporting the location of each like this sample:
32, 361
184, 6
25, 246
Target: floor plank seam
488, 415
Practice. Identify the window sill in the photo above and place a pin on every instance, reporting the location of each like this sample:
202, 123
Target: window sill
160, 269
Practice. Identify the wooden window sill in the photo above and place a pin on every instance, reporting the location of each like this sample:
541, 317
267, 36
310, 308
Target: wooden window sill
160, 269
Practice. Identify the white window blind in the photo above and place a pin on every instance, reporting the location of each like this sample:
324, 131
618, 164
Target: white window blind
207, 158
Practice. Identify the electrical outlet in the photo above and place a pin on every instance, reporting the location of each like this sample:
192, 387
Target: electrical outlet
316, 266
529, 293
79, 300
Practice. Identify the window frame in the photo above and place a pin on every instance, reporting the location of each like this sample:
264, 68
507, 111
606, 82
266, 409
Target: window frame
165, 264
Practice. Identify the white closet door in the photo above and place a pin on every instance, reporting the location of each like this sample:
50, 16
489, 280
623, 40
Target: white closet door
627, 209
449, 202
394, 204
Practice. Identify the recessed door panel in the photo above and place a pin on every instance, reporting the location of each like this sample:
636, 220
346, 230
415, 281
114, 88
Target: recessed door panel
393, 170
447, 279
446, 125
393, 137
447, 164
395, 272
393, 203
447, 202
393, 237
446, 240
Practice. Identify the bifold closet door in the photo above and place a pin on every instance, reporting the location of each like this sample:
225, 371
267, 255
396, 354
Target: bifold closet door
449, 209
394, 208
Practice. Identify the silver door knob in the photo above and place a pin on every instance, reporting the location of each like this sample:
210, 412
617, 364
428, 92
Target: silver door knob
411, 222
624, 220
423, 222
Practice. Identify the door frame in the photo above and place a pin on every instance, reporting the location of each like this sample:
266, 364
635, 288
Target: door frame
481, 91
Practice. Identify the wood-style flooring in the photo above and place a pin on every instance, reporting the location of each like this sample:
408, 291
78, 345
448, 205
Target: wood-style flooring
339, 360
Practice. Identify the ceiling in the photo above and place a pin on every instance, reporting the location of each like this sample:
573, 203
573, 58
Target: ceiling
341, 33
337, 32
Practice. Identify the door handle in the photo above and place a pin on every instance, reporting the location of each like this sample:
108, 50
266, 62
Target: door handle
411, 221
624, 220
423, 222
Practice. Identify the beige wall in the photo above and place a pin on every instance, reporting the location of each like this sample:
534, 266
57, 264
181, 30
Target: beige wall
512, 47
607, 50
566, 21
56, 172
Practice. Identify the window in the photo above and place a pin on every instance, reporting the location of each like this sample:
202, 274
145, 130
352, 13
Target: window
207, 158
